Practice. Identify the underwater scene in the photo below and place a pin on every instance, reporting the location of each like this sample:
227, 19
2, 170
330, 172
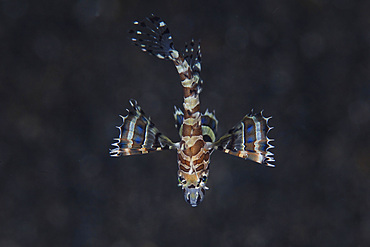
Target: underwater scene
184, 123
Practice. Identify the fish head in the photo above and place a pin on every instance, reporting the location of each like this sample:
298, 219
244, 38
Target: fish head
194, 187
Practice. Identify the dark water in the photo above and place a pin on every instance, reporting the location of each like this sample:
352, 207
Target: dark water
67, 70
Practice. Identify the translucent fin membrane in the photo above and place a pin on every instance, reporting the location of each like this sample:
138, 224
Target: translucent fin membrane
248, 139
138, 135
153, 36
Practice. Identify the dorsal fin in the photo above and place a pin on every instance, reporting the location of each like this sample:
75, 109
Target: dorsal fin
209, 126
179, 119
193, 56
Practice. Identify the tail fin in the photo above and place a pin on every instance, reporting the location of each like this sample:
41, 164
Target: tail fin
248, 139
138, 135
153, 36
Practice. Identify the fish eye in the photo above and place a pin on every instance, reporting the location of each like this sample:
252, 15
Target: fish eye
181, 180
204, 178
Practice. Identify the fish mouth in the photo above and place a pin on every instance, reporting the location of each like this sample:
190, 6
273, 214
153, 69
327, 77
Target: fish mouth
194, 196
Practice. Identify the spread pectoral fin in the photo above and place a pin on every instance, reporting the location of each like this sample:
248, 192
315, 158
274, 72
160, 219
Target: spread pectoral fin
138, 135
248, 139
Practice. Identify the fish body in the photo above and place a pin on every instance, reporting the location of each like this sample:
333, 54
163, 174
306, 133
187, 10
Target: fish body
138, 135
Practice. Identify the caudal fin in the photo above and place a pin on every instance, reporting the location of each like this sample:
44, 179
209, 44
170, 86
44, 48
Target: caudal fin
153, 36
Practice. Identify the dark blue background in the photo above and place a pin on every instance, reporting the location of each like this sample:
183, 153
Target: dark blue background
68, 69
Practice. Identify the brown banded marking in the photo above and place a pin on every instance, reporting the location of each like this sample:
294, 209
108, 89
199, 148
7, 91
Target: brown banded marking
193, 166
193, 119
248, 139
195, 163
189, 81
208, 120
191, 140
191, 102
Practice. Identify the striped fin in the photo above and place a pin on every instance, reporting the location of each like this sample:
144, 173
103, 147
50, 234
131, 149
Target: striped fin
179, 119
153, 36
138, 135
248, 139
193, 56
209, 126
208, 120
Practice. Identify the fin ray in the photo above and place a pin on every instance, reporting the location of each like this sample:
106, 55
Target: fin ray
193, 56
248, 139
153, 36
209, 126
138, 135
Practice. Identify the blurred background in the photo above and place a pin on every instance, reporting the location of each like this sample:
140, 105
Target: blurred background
68, 69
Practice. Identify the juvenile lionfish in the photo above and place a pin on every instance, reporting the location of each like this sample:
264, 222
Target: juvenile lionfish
138, 135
